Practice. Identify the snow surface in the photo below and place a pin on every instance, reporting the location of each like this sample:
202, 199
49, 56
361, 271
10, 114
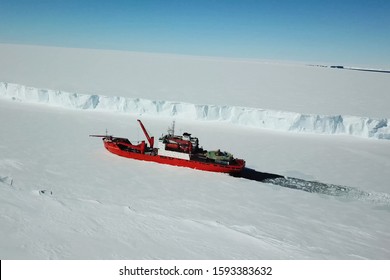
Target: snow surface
63, 196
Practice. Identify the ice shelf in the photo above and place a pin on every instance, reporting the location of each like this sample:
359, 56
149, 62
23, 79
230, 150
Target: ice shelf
361, 126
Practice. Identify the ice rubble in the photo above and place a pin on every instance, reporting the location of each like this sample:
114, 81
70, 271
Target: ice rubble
261, 118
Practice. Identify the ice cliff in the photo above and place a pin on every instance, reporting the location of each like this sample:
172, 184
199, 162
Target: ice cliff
254, 117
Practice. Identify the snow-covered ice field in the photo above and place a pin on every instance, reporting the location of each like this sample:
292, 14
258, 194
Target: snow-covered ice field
63, 196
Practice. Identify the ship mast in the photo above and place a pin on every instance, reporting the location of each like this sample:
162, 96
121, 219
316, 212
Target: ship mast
171, 130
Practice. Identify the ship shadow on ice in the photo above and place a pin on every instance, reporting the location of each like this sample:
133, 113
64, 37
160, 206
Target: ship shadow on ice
343, 192
254, 175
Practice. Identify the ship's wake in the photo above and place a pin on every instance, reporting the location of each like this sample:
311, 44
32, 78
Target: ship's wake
345, 192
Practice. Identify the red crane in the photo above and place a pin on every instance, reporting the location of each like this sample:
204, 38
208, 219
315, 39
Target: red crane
150, 139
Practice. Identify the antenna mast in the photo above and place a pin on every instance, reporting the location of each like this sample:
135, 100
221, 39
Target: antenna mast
171, 130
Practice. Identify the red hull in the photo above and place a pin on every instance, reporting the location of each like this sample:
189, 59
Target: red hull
195, 164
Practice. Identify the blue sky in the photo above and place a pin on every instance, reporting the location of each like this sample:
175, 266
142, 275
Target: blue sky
344, 31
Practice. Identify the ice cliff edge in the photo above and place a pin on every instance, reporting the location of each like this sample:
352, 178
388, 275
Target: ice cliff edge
261, 118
